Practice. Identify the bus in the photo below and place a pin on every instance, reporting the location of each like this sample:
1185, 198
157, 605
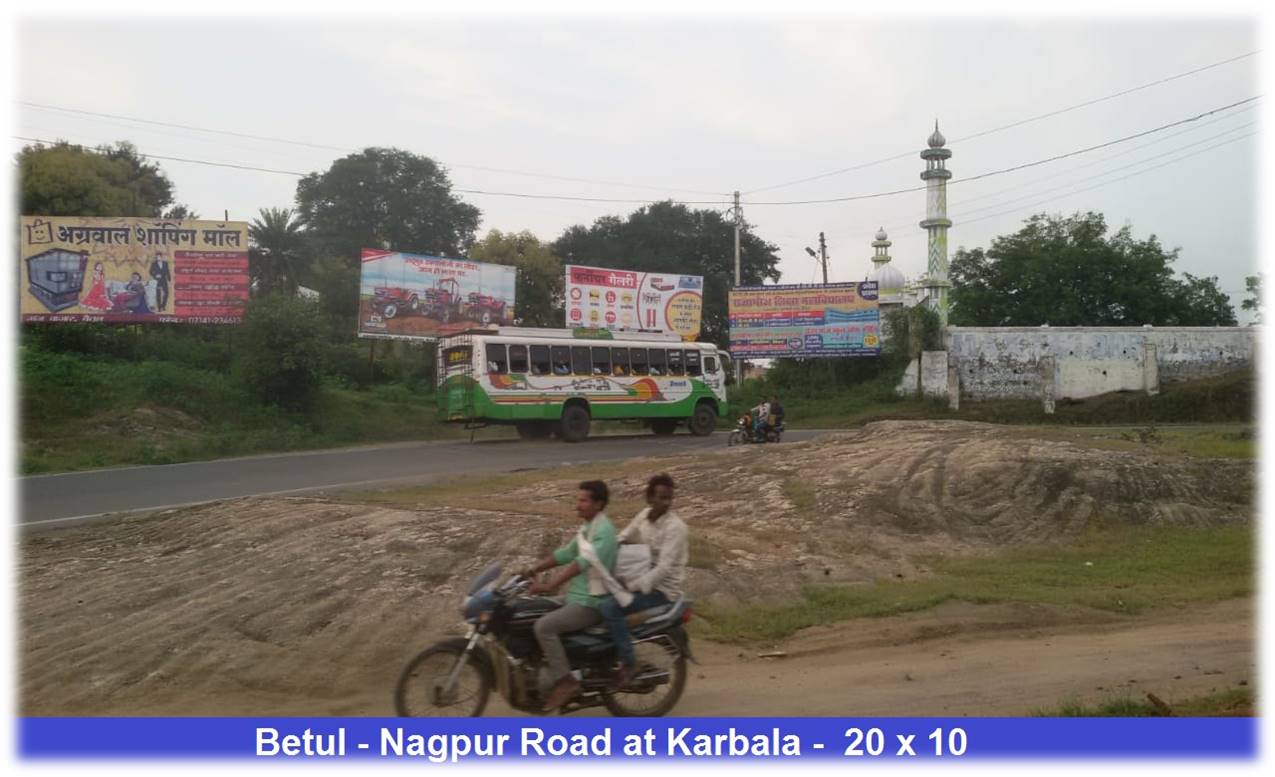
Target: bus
558, 381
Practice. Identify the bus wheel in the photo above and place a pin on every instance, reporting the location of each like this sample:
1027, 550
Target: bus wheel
664, 426
574, 426
704, 420
534, 430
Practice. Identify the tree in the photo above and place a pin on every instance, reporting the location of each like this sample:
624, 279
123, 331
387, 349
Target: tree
538, 297
1253, 302
1066, 271
673, 238
70, 180
278, 244
281, 355
382, 197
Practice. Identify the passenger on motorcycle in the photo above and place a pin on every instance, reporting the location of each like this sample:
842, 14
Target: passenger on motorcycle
578, 559
776, 419
665, 533
759, 420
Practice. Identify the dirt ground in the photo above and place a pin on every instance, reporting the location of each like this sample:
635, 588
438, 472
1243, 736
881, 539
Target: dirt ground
310, 606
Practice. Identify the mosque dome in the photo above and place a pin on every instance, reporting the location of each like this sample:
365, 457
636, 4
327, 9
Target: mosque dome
889, 279
937, 140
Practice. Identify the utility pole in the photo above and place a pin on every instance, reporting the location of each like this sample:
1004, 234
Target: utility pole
823, 258
738, 213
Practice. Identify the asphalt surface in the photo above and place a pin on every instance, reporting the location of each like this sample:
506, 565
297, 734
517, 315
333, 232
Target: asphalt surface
56, 501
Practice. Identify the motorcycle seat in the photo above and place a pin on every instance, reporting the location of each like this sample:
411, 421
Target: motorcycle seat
650, 617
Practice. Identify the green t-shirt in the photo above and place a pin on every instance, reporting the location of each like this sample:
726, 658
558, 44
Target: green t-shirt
601, 534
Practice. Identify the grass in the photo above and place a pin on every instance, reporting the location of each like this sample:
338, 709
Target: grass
1235, 701
82, 413
1124, 570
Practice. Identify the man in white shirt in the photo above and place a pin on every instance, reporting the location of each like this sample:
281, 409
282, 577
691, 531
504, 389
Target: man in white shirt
666, 534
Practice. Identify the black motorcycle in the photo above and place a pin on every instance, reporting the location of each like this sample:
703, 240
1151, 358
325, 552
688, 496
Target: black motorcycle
455, 677
743, 433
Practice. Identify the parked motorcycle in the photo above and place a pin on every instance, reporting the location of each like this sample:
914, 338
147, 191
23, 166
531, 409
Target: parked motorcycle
743, 433
455, 677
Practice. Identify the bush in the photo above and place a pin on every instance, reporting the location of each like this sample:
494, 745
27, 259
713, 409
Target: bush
281, 358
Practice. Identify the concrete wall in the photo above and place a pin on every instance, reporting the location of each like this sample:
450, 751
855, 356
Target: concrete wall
1016, 362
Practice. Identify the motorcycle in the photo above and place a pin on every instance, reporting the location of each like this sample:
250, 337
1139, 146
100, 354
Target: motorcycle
743, 433
455, 677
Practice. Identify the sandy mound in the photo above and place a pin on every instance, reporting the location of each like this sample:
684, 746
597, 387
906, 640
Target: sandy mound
298, 606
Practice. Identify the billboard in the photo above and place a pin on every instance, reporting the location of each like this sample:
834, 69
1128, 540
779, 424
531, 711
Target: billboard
836, 319
407, 296
132, 270
621, 299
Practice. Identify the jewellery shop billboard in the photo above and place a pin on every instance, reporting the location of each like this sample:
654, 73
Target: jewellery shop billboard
833, 320
132, 270
601, 298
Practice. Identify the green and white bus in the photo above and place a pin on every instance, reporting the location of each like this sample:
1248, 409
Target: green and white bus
547, 381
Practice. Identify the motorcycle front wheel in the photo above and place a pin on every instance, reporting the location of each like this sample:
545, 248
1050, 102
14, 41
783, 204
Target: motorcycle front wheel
421, 690
736, 437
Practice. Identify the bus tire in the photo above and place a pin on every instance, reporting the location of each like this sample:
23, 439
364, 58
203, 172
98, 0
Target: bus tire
574, 425
704, 420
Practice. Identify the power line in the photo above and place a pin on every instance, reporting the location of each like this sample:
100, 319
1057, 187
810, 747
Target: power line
1016, 168
325, 147
483, 192
1012, 125
898, 225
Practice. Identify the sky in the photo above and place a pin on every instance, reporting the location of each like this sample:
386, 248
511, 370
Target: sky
649, 108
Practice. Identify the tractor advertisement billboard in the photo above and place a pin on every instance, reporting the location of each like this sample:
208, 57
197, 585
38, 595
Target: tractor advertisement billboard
412, 297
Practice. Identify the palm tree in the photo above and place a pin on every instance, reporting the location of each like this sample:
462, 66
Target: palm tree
277, 247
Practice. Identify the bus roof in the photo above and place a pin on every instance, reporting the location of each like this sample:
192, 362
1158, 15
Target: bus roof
573, 334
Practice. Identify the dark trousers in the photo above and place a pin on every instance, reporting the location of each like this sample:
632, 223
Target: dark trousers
161, 295
613, 617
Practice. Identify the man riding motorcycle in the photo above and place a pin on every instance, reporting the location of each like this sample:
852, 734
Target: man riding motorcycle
585, 561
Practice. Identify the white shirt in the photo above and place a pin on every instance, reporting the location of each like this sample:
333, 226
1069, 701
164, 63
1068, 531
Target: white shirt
667, 537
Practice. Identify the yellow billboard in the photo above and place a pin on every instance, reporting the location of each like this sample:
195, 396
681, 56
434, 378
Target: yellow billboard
132, 270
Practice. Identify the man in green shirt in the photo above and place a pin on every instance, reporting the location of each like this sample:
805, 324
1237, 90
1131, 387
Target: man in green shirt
586, 591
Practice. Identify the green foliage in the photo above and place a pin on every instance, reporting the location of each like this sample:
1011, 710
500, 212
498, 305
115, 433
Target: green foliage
280, 358
672, 238
338, 285
1253, 302
70, 180
1125, 570
277, 253
385, 197
539, 295
1066, 271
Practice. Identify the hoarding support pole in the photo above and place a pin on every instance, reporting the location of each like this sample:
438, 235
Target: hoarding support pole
739, 217
371, 354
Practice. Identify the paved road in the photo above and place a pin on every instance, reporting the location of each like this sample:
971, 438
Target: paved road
53, 501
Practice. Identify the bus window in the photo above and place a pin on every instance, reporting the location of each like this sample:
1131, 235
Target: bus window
692, 363
497, 362
657, 361
540, 360
710, 365
675, 363
639, 361
580, 360
602, 361
561, 360
517, 358
620, 362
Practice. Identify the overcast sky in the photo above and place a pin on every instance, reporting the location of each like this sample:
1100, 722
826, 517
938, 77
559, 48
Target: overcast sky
693, 109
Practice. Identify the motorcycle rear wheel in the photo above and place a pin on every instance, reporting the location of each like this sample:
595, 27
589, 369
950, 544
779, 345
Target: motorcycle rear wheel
623, 704
416, 695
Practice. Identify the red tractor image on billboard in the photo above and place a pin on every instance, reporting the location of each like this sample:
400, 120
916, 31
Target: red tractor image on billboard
441, 302
484, 309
